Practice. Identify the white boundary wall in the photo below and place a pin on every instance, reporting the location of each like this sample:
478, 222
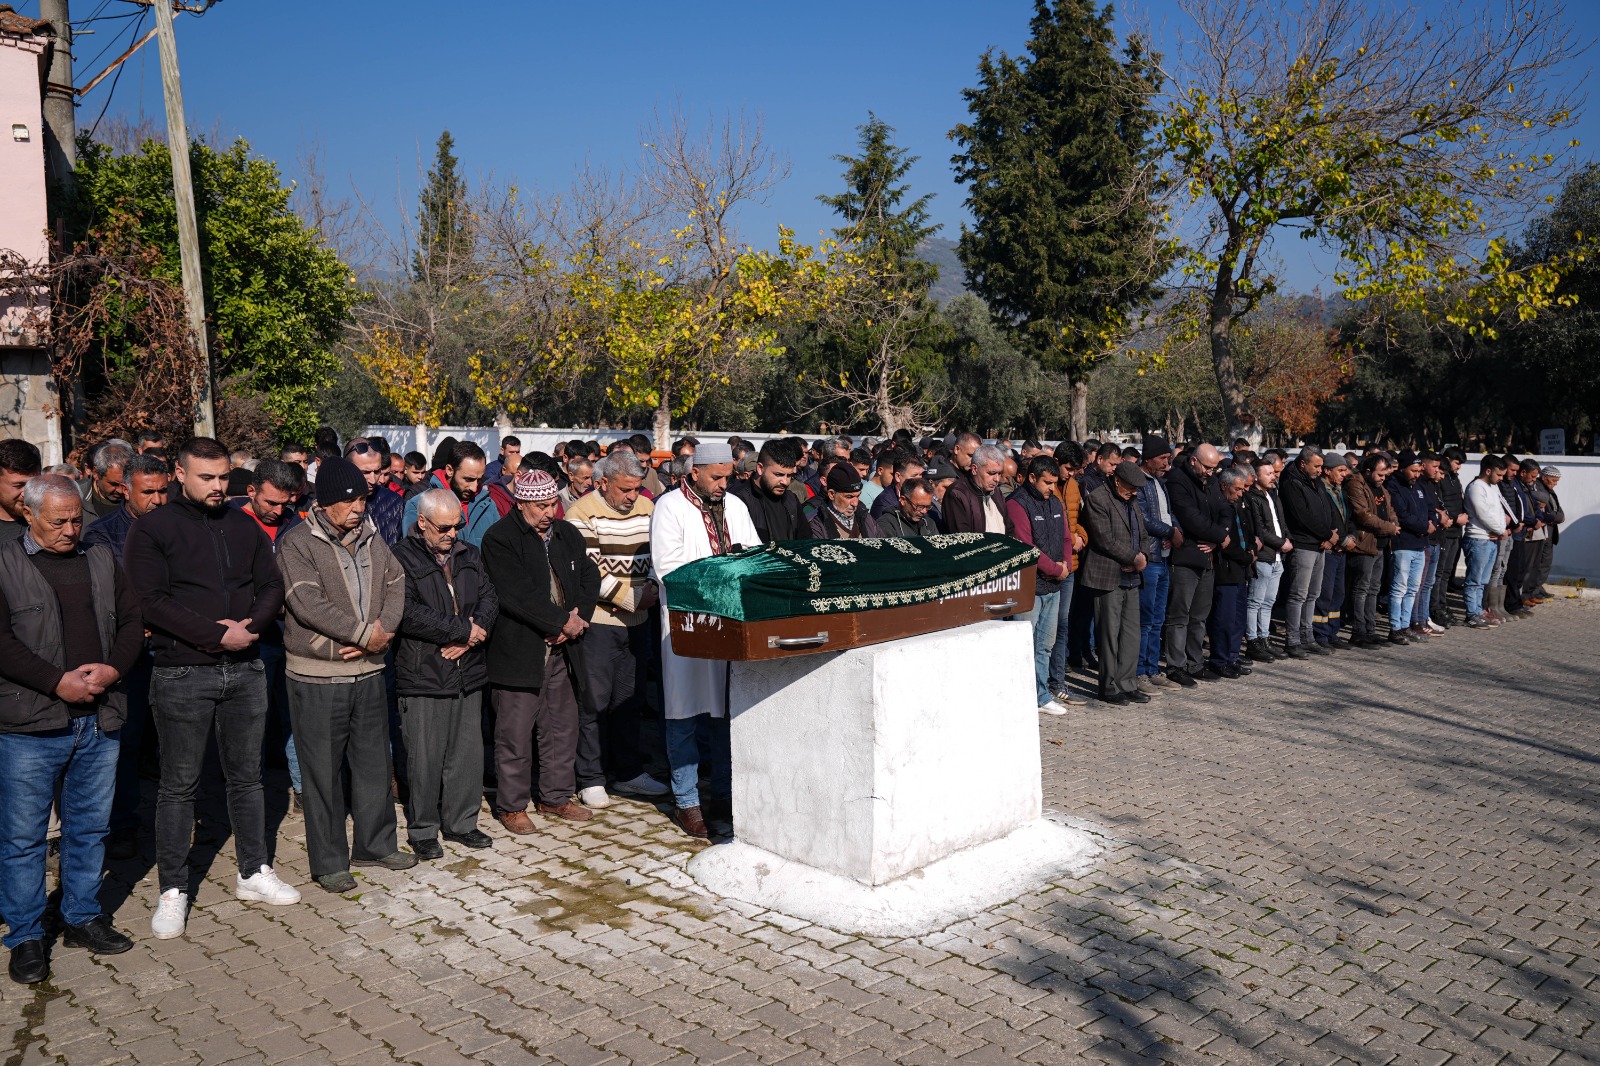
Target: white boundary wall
1577, 556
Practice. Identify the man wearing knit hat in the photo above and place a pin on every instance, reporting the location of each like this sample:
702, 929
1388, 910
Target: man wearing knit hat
345, 597
696, 521
548, 587
838, 513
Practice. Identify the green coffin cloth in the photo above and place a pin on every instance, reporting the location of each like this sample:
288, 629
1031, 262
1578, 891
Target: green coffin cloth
800, 577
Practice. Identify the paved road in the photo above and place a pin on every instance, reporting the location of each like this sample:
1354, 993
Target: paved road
1369, 859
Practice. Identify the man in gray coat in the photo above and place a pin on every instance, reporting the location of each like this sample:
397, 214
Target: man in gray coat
345, 597
1115, 559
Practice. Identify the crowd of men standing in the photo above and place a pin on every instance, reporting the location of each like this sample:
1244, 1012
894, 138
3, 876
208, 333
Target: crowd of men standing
432, 630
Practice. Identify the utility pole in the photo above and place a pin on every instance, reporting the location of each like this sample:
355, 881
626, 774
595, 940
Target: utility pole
60, 103
194, 297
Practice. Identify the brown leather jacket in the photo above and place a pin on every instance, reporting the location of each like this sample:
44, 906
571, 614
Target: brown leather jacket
1371, 513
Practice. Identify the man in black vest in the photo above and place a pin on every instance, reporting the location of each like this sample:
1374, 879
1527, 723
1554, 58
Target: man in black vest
69, 631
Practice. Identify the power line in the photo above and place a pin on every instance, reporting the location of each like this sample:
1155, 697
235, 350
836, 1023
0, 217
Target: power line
111, 92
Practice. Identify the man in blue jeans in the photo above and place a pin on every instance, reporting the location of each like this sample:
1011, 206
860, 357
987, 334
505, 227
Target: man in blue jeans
187, 561
1041, 520
69, 631
1162, 526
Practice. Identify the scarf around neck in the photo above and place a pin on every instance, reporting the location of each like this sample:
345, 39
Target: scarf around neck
714, 515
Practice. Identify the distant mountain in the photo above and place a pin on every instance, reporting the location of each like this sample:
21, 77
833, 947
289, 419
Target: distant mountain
952, 279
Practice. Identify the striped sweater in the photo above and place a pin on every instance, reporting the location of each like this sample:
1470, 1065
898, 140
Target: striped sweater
619, 544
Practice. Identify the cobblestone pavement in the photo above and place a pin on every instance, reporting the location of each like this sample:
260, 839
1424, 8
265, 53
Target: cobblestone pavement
1365, 859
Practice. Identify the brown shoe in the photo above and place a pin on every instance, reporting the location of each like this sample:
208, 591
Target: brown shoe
691, 821
517, 822
569, 811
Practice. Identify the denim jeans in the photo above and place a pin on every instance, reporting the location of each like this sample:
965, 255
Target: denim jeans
1058, 653
189, 703
272, 657
1304, 574
1403, 586
1045, 616
1424, 599
688, 741
82, 760
1481, 557
1153, 615
1263, 594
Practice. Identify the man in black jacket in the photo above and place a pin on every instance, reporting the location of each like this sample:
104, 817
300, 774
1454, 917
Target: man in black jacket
1272, 528
1328, 616
1312, 530
1452, 501
1234, 564
1205, 521
912, 518
190, 561
770, 494
547, 588
440, 675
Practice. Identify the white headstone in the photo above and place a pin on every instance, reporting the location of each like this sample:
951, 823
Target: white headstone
1552, 442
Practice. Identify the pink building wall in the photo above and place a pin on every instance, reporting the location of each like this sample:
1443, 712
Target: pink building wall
23, 213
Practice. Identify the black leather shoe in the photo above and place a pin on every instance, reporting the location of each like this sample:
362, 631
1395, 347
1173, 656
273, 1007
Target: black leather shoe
29, 964
1243, 669
472, 838
427, 849
1116, 699
1138, 697
1178, 677
98, 935
1227, 670
1296, 651
1396, 637
1205, 673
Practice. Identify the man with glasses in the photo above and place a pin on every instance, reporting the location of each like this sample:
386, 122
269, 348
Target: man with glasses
913, 518
440, 675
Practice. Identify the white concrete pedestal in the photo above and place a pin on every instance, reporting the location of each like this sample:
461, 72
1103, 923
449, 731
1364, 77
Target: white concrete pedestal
891, 789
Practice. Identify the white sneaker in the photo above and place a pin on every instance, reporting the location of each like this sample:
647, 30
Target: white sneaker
171, 916
594, 796
264, 886
1434, 627
643, 785
1052, 708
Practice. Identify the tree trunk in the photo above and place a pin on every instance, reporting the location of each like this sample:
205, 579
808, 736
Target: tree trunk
1234, 409
663, 422
1080, 409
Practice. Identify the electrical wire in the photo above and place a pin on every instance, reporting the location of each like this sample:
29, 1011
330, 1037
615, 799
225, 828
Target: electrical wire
111, 92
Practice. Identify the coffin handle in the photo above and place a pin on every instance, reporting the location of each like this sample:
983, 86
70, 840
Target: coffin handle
798, 642
1000, 608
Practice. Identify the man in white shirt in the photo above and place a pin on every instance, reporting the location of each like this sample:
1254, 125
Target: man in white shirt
1486, 531
696, 521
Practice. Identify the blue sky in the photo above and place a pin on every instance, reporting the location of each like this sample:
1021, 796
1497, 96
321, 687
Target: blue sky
531, 89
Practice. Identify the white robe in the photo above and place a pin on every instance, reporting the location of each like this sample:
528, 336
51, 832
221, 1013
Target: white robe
678, 535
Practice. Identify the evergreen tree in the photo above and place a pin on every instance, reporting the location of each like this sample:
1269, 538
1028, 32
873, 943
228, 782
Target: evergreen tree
871, 203
1057, 158
444, 241
878, 348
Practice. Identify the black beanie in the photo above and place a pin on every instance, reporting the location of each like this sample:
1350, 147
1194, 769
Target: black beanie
338, 480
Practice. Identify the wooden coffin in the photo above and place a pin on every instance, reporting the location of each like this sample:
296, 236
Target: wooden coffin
709, 636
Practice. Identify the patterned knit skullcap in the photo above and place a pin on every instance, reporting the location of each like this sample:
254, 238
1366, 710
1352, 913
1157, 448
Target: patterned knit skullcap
535, 485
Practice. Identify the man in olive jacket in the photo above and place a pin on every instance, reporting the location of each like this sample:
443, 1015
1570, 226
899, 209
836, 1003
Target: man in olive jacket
69, 631
1117, 555
345, 599
547, 587
440, 675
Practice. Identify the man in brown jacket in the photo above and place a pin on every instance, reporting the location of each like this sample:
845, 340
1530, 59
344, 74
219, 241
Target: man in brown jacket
974, 503
345, 594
